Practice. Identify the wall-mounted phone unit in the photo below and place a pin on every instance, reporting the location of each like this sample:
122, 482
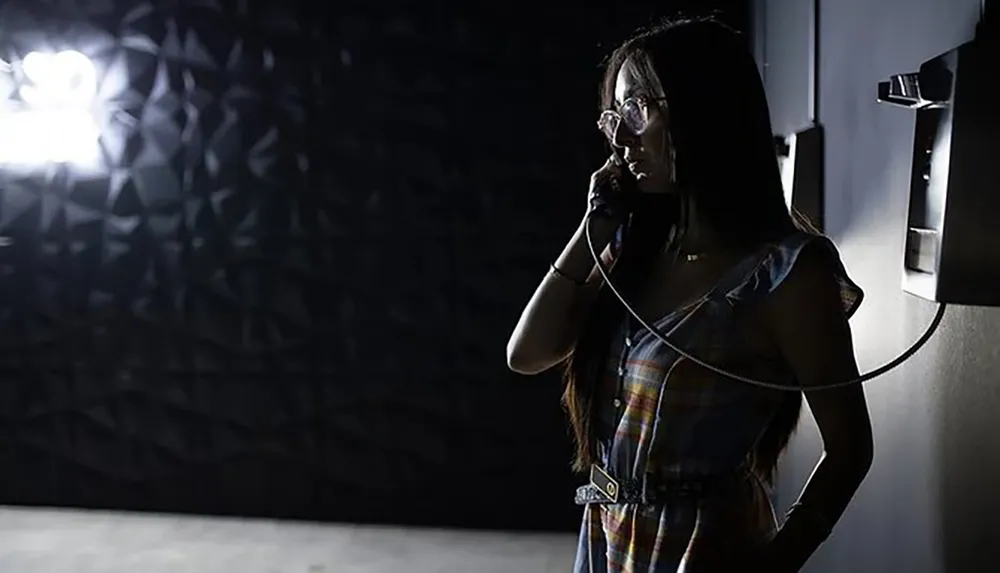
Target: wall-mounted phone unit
952, 252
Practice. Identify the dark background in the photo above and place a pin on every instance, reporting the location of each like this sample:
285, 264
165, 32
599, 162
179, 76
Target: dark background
289, 291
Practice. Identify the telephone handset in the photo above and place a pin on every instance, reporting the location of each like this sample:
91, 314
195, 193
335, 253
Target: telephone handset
623, 197
619, 195
628, 185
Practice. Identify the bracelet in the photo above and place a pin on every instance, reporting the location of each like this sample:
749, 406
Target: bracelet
562, 275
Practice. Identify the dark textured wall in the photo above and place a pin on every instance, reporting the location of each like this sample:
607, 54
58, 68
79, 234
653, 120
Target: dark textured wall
288, 290
930, 503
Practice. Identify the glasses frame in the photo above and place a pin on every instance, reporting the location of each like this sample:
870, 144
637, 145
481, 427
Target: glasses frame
611, 119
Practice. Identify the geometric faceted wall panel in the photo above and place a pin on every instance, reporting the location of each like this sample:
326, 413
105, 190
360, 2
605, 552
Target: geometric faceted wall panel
286, 287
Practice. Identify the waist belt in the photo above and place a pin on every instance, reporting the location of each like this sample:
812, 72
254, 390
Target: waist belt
604, 489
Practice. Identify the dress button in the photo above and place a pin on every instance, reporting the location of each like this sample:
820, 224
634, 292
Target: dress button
618, 403
621, 370
628, 341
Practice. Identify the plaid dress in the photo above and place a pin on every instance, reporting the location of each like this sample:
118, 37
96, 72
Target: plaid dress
674, 418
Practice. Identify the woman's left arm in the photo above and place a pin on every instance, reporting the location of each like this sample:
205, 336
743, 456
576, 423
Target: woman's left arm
806, 317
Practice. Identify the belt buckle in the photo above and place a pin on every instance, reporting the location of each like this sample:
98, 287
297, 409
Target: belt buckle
604, 483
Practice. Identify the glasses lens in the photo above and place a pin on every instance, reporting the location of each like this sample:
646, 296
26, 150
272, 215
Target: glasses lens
634, 115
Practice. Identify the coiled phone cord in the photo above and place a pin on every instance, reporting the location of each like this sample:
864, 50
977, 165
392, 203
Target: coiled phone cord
931, 328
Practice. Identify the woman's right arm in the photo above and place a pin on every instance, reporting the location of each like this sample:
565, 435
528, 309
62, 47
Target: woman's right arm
550, 323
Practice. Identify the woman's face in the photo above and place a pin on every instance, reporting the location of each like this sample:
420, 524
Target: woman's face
647, 153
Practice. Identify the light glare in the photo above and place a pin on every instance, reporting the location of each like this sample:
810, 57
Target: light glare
31, 137
56, 122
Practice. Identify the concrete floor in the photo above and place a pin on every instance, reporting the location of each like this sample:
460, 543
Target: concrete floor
55, 541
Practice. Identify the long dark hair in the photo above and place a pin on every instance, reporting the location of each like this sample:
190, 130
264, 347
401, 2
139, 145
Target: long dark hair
725, 161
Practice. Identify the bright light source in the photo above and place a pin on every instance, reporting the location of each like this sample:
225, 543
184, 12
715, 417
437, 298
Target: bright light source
56, 123
66, 79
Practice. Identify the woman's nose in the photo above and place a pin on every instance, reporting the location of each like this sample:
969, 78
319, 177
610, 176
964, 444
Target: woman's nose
623, 137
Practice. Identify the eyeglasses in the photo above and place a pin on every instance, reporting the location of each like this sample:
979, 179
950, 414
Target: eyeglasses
634, 111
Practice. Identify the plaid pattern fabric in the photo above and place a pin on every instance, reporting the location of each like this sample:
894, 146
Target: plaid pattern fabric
679, 419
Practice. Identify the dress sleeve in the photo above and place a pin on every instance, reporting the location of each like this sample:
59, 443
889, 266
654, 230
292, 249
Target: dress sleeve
779, 261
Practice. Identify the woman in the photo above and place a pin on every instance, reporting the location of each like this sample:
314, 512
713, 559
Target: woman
681, 458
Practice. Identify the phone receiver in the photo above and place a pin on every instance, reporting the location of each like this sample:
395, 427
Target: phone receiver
620, 194
629, 195
628, 185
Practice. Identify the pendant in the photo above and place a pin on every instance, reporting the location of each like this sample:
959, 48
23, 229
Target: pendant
694, 257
